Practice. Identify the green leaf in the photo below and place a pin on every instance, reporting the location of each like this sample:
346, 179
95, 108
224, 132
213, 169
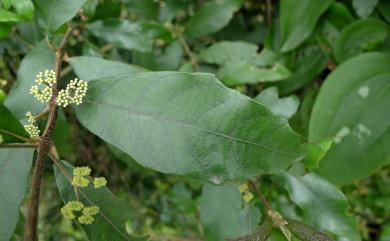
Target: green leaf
54, 13
211, 17
322, 204
364, 8
353, 107
226, 203
7, 16
183, 123
90, 68
10, 123
227, 51
307, 68
306, 233
338, 15
298, 20
284, 107
24, 8
15, 165
384, 9
315, 151
125, 34
262, 233
385, 235
5, 30
113, 213
358, 37
241, 72
19, 99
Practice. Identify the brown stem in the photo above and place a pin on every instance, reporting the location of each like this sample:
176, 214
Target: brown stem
187, 49
173, 238
268, 7
18, 145
261, 196
14, 135
30, 233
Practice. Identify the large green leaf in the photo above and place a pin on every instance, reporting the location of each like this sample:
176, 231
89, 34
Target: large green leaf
10, 123
298, 20
364, 8
307, 68
322, 204
241, 72
19, 99
24, 8
90, 68
284, 107
226, 203
54, 13
353, 105
385, 235
128, 35
7, 16
226, 51
188, 124
15, 165
113, 213
211, 17
384, 9
358, 37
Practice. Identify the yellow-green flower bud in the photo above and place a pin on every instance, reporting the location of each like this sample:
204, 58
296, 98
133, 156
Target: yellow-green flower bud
82, 171
99, 182
86, 219
79, 181
248, 197
75, 205
91, 211
243, 188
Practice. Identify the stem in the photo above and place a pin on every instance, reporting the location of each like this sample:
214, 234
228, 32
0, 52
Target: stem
14, 135
261, 196
30, 233
173, 238
18, 145
268, 8
187, 49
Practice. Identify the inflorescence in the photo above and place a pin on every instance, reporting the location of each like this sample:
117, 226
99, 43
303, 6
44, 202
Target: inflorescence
247, 195
87, 213
43, 91
73, 93
31, 128
81, 179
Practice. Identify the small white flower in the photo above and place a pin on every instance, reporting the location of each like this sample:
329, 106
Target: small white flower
31, 128
73, 93
43, 90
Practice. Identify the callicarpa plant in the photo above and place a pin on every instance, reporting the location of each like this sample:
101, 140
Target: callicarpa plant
194, 120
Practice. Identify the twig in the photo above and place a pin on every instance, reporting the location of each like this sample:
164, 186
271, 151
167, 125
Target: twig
268, 9
14, 135
30, 233
261, 196
187, 49
173, 238
43, 113
18, 145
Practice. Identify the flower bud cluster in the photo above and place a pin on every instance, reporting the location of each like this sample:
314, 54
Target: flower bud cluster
43, 91
73, 93
31, 128
81, 176
244, 189
87, 213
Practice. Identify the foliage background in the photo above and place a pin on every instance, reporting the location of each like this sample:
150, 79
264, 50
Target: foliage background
288, 55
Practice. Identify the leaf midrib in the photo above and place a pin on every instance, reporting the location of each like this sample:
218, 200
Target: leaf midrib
186, 125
